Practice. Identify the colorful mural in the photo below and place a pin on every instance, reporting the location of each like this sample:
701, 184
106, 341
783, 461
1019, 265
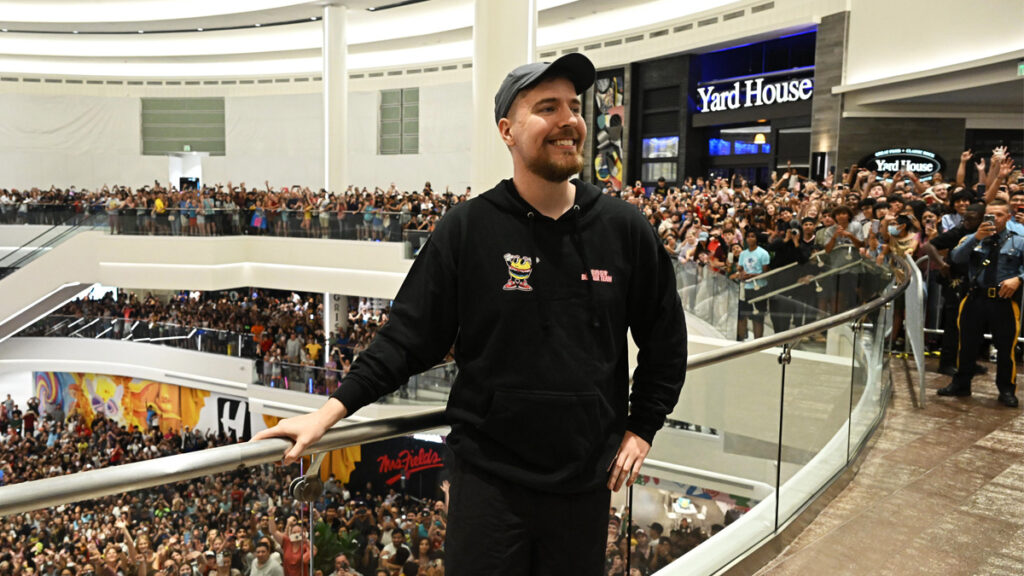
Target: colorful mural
609, 121
132, 402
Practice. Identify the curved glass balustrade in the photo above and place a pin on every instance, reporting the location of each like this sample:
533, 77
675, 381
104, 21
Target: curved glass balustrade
380, 226
762, 427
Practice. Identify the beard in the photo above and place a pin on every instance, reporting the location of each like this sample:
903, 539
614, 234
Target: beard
556, 168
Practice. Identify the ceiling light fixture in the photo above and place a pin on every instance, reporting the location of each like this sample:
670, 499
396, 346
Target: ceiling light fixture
312, 17
258, 24
74, 31
759, 139
199, 29
397, 4
140, 32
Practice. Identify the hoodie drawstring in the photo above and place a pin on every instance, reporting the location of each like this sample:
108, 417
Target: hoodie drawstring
545, 321
577, 243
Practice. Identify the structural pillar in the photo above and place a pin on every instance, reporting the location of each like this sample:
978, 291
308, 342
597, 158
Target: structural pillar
335, 82
504, 36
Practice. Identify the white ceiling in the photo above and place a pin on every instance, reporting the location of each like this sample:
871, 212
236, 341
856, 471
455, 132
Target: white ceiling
95, 38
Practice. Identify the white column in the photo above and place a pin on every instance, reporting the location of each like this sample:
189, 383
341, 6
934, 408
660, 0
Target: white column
335, 82
504, 36
327, 316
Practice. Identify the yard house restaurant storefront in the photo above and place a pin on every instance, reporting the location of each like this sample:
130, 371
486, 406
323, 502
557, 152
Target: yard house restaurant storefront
743, 111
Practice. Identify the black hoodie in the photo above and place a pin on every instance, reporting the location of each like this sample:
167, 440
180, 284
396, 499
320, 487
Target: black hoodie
542, 395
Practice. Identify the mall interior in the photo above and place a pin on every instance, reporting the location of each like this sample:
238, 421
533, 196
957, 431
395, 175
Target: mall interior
208, 209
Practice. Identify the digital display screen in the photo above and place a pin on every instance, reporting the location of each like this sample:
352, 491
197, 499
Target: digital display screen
666, 147
719, 147
745, 147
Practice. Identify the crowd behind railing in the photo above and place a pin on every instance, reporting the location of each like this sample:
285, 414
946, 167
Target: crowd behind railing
726, 231
355, 214
239, 523
243, 522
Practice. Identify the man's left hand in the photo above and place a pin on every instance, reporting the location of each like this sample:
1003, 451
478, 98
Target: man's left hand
1006, 289
626, 465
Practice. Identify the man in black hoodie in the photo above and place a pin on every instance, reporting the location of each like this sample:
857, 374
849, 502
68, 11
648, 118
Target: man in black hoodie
536, 282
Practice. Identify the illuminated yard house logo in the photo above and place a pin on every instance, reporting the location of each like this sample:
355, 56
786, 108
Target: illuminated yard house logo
753, 93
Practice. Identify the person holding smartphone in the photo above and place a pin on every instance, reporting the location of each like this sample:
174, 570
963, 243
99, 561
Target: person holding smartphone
995, 259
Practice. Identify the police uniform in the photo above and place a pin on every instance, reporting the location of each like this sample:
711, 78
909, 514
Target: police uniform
989, 262
954, 289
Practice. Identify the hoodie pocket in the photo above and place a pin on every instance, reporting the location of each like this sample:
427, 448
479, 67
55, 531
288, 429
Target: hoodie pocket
548, 431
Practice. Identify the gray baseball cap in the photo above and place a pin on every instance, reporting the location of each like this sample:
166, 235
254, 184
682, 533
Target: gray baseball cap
575, 67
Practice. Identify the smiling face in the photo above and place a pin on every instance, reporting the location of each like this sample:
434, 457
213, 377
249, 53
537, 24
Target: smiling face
545, 131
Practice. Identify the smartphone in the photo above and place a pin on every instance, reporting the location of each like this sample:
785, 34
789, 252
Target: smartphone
991, 218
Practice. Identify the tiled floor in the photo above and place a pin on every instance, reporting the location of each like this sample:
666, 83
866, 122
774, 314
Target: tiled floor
941, 492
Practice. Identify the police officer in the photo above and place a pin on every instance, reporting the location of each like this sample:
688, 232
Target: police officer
995, 260
953, 281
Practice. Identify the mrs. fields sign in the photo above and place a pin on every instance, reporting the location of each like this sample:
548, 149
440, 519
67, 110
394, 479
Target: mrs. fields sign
753, 93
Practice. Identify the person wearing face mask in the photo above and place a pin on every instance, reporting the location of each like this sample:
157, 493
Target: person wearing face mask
994, 257
902, 239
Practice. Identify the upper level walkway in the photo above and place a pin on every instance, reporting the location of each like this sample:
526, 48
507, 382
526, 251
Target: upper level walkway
941, 491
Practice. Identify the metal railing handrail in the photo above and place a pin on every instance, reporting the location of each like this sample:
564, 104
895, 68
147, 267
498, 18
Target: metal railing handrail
64, 230
703, 359
28, 496
37, 494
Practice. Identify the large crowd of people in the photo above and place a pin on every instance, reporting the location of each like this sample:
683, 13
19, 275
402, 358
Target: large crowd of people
238, 523
245, 522
357, 213
706, 223
282, 331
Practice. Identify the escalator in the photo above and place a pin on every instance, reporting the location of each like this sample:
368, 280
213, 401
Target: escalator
23, 309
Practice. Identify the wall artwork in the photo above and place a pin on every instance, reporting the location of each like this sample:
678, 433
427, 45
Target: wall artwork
133, 402
608, 122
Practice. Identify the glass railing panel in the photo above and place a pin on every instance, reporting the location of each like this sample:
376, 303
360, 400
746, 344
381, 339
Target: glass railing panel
871, 387
722, 442
430, 387
48, 238
816, 412
141, 331
708, 294
379, 226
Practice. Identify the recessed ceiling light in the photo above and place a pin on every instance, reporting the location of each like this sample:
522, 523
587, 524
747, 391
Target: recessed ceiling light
312, 18
140, 32
74, 31
199, 29
258, 24
5, 29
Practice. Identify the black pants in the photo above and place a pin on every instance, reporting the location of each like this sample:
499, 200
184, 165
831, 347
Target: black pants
499, 528
951, 299
999, 317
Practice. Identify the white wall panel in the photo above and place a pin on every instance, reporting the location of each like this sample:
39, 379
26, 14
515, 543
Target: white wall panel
277, 138
89, 141
894, 38
445, 135
66, 140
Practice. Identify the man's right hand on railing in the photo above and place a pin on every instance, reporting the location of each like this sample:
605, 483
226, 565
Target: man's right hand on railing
305, 430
